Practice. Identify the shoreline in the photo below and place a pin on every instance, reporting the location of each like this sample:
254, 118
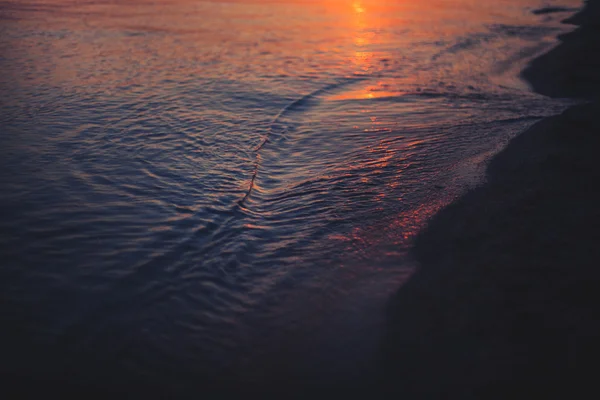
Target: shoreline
505, 302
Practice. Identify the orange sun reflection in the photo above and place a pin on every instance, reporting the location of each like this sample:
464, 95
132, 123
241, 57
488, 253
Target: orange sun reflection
362, 38
358, 7
367, 23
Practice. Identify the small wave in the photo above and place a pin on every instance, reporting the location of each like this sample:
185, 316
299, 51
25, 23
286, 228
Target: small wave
553, 10
277, 128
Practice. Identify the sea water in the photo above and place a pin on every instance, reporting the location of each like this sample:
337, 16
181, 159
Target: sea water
196, 189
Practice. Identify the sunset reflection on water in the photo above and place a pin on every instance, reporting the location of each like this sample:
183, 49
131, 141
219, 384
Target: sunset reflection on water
310, 84
173, 40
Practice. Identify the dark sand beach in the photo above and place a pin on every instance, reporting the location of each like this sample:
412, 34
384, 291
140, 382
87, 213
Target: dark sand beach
506, 302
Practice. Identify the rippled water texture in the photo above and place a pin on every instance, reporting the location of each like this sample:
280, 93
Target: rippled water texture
199, 187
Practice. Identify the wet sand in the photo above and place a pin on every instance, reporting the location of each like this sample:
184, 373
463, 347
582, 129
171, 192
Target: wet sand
506, 301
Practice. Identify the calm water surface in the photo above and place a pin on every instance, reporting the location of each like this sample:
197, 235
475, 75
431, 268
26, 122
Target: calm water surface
229, 188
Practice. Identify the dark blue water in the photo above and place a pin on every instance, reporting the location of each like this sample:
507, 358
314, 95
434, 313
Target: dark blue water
195, 189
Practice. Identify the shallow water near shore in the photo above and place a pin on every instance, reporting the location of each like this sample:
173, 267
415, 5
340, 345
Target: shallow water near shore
231, 188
